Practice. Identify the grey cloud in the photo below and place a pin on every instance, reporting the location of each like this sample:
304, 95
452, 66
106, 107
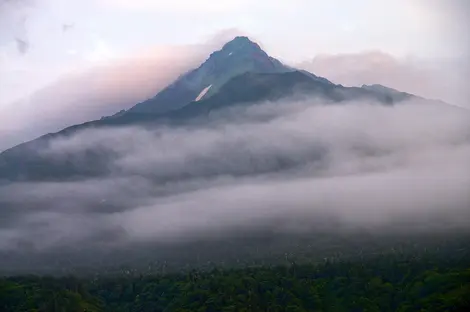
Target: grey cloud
22, 46
291, 164
13, 17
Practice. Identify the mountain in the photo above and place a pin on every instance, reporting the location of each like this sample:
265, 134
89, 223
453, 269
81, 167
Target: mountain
419, 77
251, 87
236, 57
241, 73
397, 95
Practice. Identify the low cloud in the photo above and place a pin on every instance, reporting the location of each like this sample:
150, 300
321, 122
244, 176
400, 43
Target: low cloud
288, 165
435, 79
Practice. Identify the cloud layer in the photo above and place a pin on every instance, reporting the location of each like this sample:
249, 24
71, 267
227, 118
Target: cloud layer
288, 164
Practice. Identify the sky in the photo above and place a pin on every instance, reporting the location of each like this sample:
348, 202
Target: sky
40, 40
62, 62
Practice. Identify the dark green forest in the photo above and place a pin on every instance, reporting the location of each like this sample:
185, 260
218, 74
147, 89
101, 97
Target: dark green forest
430, 281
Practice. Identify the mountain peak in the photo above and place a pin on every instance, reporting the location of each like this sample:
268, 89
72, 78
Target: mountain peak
241, 39
240, 42
238, 56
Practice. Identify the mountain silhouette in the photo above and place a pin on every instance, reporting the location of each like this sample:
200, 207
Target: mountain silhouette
241, 73
236, 57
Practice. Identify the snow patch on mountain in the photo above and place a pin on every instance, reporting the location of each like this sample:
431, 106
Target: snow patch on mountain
203, 92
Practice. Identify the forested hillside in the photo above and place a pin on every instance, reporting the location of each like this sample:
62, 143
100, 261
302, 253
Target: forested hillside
429, 282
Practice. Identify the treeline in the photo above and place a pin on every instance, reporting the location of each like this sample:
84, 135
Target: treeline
430, 282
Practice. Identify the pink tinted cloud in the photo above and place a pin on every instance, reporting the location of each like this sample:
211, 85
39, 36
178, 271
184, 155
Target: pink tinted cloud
102, 90
436, 80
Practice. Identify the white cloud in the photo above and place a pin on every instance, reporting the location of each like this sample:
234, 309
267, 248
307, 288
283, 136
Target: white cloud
101, 52
359, 164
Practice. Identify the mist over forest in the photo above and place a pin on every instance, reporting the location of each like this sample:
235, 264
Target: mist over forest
277, 168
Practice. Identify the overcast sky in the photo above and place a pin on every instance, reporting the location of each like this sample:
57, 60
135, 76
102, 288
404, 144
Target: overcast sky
40, 40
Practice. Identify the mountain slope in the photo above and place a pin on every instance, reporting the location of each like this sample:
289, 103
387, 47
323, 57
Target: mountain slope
29, 162
236, 57
239, 74
250, 88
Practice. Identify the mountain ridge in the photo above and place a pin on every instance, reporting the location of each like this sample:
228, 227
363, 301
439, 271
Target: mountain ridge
259, 79
235, 57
